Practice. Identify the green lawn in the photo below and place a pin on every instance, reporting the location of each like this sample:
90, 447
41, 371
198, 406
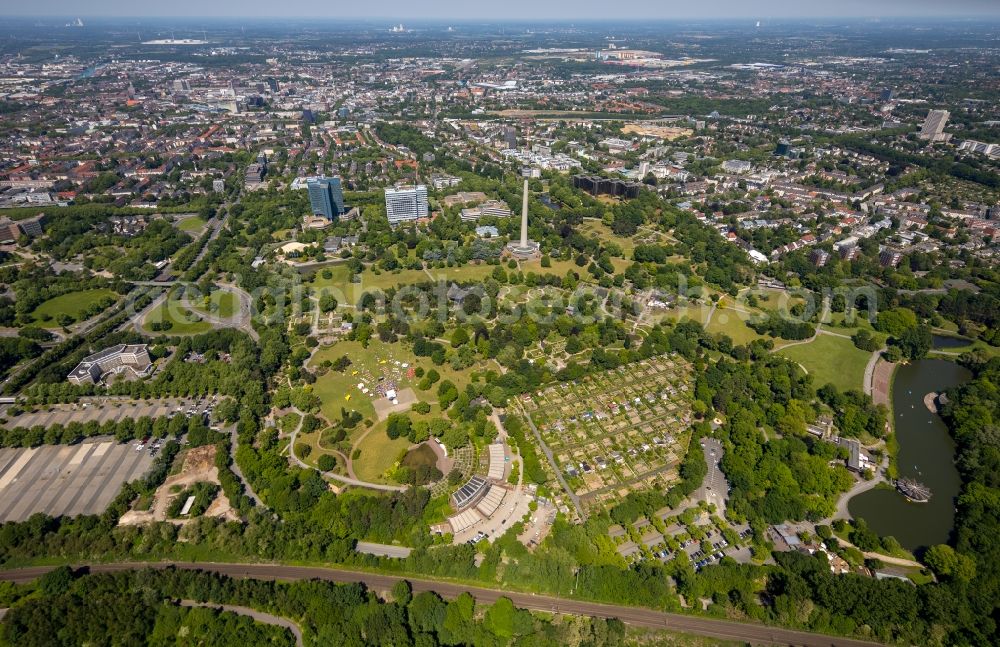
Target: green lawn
220, 303
604, 233
831, 359
184, 321
74, 304
339, 274
460, 274
367, 365
192, 224
378, 454
733, 323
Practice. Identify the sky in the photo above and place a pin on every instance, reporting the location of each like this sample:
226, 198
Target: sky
508, 10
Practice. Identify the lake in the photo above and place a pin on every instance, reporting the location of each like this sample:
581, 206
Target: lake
926, 454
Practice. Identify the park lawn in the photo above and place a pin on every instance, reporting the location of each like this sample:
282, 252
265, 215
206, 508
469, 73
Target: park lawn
860, 322
332, 387
176, 313
378, 454
781, 300
73, 304
558, 267
313, 441
222, 304
830, 359
603, 233
691, 311
733, 323
463, 273
460, 274
339, 274
192, 224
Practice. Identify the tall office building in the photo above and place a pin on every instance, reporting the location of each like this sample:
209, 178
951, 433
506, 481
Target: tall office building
326, 195
405, 203
933, 129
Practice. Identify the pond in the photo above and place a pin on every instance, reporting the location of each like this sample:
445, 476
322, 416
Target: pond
943, 342
926, 454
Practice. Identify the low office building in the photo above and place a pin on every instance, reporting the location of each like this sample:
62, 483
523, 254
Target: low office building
132, 358
494, 208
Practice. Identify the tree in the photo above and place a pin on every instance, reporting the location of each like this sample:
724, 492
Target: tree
500, 618
327, 302
326, 462
915, 342
459, 337
893, 322
949, 564
402, 593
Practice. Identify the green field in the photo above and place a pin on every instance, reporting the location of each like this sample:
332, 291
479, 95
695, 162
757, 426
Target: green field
192, 224
184, 321
733, 323
378, 454
221, 303
831, 359
73, 304
367, 365
603, 233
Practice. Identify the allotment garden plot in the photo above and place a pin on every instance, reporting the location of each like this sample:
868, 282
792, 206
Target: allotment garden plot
617, 431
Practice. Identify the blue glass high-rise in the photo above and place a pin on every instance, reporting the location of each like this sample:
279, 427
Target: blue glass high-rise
326, 195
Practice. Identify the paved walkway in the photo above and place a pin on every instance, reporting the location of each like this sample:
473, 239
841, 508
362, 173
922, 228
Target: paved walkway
555, 468
235, 467
258, 616
870, 369
337, 477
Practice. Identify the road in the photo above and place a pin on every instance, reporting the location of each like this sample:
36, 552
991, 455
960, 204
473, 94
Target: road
135, 322
709, 627
259, 616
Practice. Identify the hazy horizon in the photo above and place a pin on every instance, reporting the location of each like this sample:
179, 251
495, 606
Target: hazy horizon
513, 10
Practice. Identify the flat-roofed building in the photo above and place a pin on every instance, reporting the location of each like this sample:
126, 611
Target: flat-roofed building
464, 520
492, 500
498, 462
133, 358
933, 128
470, 493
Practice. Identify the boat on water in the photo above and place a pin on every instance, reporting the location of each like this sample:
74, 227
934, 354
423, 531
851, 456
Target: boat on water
913, 490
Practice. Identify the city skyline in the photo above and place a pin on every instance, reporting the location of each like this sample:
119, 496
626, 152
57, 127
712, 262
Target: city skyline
515, 11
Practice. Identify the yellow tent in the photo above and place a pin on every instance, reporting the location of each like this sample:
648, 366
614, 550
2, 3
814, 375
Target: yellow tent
347, 397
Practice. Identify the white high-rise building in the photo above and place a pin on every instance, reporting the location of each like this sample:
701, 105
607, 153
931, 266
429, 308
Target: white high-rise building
405, 203
933, 128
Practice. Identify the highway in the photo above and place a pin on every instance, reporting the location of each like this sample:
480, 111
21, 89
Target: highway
709, 627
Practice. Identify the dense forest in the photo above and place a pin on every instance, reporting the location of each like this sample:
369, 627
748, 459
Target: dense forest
158, 607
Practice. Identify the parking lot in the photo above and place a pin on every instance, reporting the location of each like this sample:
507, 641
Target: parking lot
108, 409
67, 479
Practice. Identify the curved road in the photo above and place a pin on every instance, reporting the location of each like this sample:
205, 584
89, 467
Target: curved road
710, 627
